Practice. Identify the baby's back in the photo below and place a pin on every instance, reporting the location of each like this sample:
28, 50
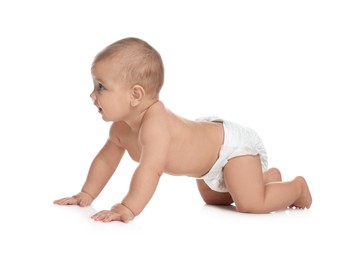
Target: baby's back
191, 147
194, 147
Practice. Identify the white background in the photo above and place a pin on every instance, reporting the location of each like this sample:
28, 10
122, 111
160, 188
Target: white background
276, 66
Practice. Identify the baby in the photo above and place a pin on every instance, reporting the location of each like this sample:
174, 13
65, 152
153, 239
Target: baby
229, 161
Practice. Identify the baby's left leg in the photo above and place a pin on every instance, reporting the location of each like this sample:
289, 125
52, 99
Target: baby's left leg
244, 179
212, 197
271, 175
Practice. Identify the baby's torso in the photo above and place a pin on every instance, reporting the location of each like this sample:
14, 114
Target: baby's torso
193, 149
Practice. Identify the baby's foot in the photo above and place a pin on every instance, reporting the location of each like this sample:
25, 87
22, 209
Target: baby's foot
272, 175
305, 199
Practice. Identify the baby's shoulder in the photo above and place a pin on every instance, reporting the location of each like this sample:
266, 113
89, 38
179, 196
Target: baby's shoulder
118, 130
156, 114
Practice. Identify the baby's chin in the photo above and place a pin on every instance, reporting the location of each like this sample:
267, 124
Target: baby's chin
106, 119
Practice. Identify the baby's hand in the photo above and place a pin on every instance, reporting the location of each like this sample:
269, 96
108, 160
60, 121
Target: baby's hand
82, 199
118, 213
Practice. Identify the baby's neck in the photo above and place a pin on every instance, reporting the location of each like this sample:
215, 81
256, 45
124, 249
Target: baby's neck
138, 114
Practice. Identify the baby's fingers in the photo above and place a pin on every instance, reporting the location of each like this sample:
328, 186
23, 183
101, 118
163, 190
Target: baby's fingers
107, 216
67, 201
100, 215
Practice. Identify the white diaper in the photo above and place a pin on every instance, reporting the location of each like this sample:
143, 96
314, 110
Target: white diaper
238, 141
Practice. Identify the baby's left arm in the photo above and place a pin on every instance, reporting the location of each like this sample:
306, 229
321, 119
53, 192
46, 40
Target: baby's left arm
154, 140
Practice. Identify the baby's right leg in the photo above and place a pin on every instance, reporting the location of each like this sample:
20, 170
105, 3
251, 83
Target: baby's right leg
274, 175
244, 178
305, 200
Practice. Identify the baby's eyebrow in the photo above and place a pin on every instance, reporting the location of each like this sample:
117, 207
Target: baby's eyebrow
98, 80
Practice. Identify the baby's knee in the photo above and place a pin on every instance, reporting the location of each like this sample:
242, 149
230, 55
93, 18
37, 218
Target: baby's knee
218, 200
248, 209
257, 205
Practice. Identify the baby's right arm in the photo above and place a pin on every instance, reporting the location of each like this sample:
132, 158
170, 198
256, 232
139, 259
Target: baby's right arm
101, 170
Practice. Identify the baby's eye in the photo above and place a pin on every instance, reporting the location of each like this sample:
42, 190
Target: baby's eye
101, 87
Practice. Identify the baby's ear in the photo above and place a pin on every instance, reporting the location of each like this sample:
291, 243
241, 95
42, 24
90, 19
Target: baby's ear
137, 93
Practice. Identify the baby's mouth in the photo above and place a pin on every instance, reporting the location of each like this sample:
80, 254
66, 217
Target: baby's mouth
98, 107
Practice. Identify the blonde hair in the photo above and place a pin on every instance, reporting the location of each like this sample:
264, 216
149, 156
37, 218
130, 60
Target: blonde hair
138, 61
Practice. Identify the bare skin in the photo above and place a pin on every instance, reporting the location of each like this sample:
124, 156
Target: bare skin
212, 197
161, 141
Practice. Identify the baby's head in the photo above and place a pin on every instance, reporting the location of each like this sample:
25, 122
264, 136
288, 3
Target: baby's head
135, 63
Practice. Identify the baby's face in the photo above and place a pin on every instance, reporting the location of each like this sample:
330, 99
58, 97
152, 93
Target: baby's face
110, 95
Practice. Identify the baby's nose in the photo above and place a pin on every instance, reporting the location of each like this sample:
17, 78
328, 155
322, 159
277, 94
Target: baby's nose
92, 96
